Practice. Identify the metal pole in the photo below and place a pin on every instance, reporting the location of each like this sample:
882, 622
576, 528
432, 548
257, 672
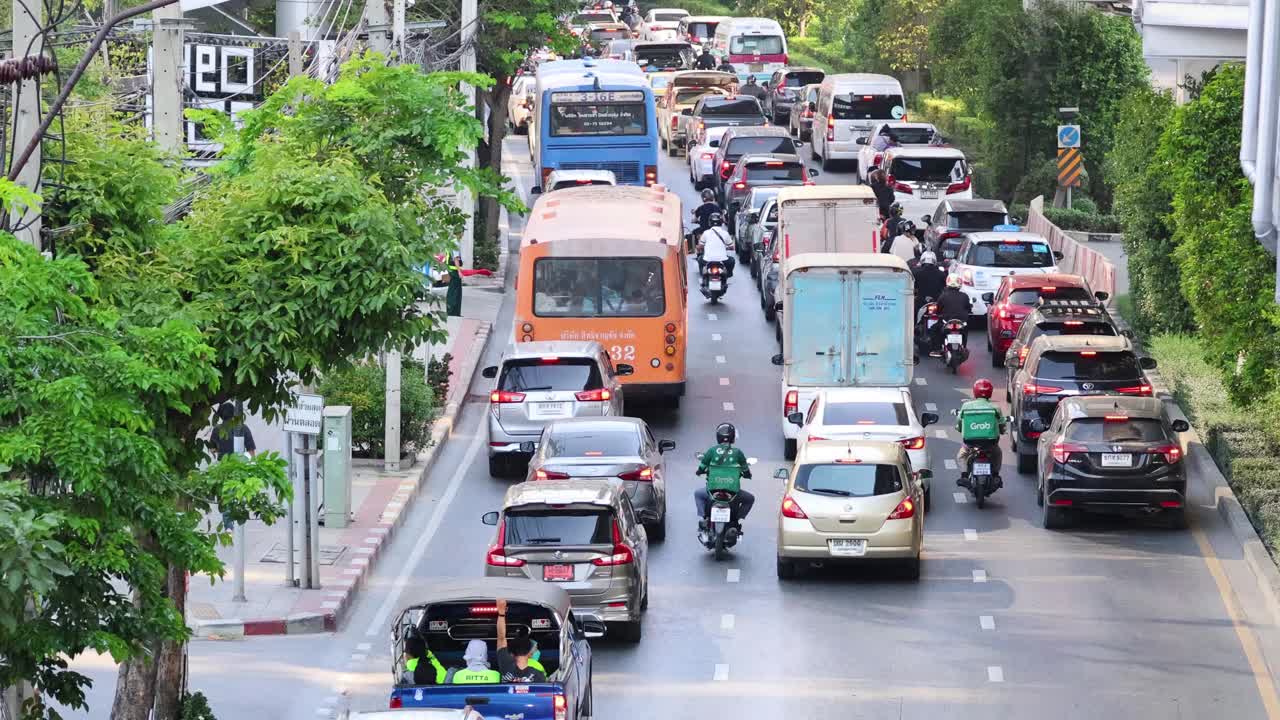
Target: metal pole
239, 543
166, 84
295, 56
397, 28
391, 429
27, 17
290, 579
307, 512
1069, 197
316, 493
467, 63
375, 12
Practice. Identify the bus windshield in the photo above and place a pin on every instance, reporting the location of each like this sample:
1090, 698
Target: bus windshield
598, 287
576, 114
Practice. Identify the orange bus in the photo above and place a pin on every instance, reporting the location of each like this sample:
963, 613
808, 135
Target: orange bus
609, 264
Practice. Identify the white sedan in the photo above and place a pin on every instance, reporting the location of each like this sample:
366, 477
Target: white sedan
561, 179
702, 156
869, 414
662, 24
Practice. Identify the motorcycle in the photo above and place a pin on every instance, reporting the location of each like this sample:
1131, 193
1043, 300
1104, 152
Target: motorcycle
714, 281
722, 528
924, 327
982, 481
954, 349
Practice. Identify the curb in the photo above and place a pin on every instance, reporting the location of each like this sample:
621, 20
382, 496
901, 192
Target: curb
341, 597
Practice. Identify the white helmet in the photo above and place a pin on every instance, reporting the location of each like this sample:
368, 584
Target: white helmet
953, 281
928, 258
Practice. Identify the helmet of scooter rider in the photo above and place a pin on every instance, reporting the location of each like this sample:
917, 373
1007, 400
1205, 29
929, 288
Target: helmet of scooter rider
708, 195
982, 388
928, 258
715, 219
726, 433
895, 209
953, 281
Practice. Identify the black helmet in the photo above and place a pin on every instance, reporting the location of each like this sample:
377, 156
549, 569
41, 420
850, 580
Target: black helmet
726, 433
715, 218
896, 209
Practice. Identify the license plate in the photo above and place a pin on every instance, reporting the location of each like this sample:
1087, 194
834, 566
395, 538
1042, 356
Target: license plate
756, 67
715, 285
551, 409
557, 573
720, 514
982, 468
929, 194
1117, 460
842, 547
955, 339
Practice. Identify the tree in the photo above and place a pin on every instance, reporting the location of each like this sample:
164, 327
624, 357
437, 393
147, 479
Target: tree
903, 41
792, 15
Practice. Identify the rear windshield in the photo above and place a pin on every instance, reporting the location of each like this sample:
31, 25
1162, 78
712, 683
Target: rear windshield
911, 135
849, 479
1072, 327
1059, 365
663, 58
578, 183
856, 106
969, 220
608, 34
587, 18
800, 79
689, 96
1102, 430
928, 170
767, 145
774, 171
772, 217
702, 29
537, 374
592, 287
756, 44
574, 441
668, 17
558, 527
1013, 254
736, 106
865, 413
760, 197
1029, 296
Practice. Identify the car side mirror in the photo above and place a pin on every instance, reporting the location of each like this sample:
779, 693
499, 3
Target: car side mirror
1057, 255
665, 445
489, 518
796, 419
1127, 333
1037, 425
781, 474
1147, 363
535, 190
861, 141
926, 219
1180, 426
687, 112
814, 172
1015, 221
923, 474
490, 372
929, 418
753, 218
777, 359
988, 297
1102, 296
777, 307
591, 629
623, 369
528, 447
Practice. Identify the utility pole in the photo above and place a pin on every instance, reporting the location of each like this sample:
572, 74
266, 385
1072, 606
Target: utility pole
166, 79
375, 11
470, 15
26, 116
397, 28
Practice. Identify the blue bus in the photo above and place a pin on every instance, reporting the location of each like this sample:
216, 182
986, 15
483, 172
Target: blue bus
595, 115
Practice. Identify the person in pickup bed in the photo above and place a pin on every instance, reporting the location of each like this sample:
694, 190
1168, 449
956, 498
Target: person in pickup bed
477, 671
515, 663
416, 671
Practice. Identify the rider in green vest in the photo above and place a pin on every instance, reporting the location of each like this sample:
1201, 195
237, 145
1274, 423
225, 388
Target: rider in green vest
980, 424
415, 650
477, 670
725, 466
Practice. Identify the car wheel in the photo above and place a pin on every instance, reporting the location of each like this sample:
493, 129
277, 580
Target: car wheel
498, 466
826, 164
928, 498
1051, 518
1027, 463
911, 569
628, 632
1040, 495
586, 702
787, 569
657, 531
789, 449
997, 359
672, 149
770, 315
777, 332
813, 151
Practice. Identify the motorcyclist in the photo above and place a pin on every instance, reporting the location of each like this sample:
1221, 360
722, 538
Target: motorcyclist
725, 466
892, 227
905, 243
885, 198
702, 217
930, 278
705, 61
953, 304
980, 425
716, 245
752, 88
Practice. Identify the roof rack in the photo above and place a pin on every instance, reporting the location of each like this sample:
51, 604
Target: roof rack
1087, 307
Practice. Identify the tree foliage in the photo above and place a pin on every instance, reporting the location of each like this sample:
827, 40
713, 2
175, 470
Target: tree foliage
903, 41
793, 15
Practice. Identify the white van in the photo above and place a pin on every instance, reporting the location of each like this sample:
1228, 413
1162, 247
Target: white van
849, 105
921, 175
753, 46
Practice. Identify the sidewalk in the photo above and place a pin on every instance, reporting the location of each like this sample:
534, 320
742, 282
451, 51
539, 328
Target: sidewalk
381, 500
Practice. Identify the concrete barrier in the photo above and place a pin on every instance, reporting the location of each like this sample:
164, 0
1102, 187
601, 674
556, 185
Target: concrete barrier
1076, 257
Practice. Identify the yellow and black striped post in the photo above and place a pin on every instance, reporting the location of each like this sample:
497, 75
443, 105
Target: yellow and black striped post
1070, 167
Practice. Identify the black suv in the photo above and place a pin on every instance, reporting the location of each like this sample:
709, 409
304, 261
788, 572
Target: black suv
1058, 317
1110, 454
1063, 366
784, 90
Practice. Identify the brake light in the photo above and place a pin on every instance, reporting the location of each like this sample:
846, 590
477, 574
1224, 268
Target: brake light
1003, 313
541, 474
1073, 323
644, 474
1022, 354
1062, 451
791, 403
791, 509
546, 173
931, 309
901, 187
740, 185
817, 437
1170, 504
775, 257
597, 395
675, 121
1171, 453
726, 169
561, 708
708, 156
785, 60
960, 186
714, 269
503, 397
496, 555
396, 703
669, 327
878, 158
915, 443
1034, 389
1143, 389
622, 554
831, 128
650, 174
906, 509
1088, 353
948, 235
484, 610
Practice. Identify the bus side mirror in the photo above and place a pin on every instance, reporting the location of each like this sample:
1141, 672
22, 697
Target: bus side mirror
490, 372
489, 518
777, 359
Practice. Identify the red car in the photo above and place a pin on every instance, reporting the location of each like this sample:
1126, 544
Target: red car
1008, 305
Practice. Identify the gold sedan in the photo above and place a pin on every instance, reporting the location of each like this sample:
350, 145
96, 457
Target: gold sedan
847, 501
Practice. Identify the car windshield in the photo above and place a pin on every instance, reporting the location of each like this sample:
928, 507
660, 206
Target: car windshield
550, 373
1114, 429
865, 413
1010, 254
857, 106
574, 441
1029, 296
593, 287
767, 145
800, 79
910, 135
1063, 365
558, 527
735, 106
774, 171
756, 44
761, 196
702, 30
665, 58
849, 479
973, 220
928, 170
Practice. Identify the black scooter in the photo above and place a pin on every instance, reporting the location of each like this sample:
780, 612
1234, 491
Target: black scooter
722, 531
954, 348
715, 281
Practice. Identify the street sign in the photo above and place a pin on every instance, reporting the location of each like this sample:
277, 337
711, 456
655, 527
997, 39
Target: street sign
305, 415
1070, 167
1068, 136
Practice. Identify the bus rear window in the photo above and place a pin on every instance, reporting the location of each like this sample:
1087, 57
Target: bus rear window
858, 106
598, 287
756, 45
617, 118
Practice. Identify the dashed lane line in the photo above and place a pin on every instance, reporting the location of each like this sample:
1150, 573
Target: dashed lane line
728, 407
960, 498
987, 622
720, 359
715, 337
931, 407
724, 381
995, 673
921, 381
722, 672
949, 464
979, 576
970, 534
726, 622
940, 434
712, 316
733, 575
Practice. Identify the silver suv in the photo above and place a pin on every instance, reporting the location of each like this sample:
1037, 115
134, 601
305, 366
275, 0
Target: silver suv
539, 382
582, 535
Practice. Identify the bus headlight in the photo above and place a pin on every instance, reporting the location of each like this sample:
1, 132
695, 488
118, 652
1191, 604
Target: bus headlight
655, 363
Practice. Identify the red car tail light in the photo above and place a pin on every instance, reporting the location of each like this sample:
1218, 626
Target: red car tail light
1034, 389
708, 156
831, 128
1062, 451
644, 474
1144, 390
791, 403
816, 437
1172, 453
906, 509
597, 395
876, 162
650, 174
541, 474
915, 443
561, 707
791, 509
740, 185
496, 556
503, 397
960, 186
1022, 354
622, 554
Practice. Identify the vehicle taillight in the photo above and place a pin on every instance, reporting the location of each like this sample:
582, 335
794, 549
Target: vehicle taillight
791, 509
1143, 389
597, 395
1073, 323
1034, 389
669, 327
1062, 451
740, 185
622, 554
906, 509
812, 438
1022, 354
546, 173
791, 403
644, 474
948, 235
786, 59
714, 269
915, 443
960, 186
726, 169
502, 397
775, 256
541, 474
1171, 453
496, 556
708, 156
561, 708
1003, 313
650, 174
831, 128
900, 187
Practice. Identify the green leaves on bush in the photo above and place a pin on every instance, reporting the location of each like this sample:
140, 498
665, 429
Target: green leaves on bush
364, 387
1083, 221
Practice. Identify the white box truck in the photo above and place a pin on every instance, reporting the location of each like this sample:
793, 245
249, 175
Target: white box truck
827, 219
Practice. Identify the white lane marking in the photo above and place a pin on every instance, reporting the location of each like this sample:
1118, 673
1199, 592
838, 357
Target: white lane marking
324, 712
712, 316
715, 337
720, 359
987, 622
726, 622
960, 497
359, 657
733, 575
970, 534
364, 647
921, 381
728, 407
724, 381
722, 672
979, 576
940, 433
931, 407
384, 613
949, 464
995, 673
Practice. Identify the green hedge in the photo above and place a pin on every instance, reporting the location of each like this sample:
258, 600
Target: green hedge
811, 52
1083, 221
364, 387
